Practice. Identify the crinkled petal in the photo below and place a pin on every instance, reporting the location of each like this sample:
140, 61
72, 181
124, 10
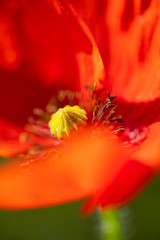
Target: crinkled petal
127, 33
133, 69
75, 170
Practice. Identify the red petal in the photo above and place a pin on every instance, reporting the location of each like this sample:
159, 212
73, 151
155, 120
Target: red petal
133, 176
133, 68
128, 182
138, 115
149, 151
10, 144
82, 166
127, 33
11, 148
44, 47
131, 179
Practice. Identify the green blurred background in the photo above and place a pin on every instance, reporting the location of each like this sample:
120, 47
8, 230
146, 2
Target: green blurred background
139, 221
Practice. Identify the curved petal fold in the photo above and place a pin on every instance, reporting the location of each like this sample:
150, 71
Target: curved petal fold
129, 181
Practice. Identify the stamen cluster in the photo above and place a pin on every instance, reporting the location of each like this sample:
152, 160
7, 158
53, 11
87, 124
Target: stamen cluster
62, 116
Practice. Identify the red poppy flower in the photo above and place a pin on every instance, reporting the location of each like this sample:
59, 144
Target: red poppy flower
58, 50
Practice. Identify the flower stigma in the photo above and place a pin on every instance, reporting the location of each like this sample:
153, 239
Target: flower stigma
67, 119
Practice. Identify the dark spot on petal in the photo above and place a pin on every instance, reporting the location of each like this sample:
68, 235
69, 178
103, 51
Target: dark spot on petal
127, 15
144, 5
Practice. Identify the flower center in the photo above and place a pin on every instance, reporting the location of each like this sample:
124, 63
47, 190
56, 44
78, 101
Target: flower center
98, 113
63, 115
66, 119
